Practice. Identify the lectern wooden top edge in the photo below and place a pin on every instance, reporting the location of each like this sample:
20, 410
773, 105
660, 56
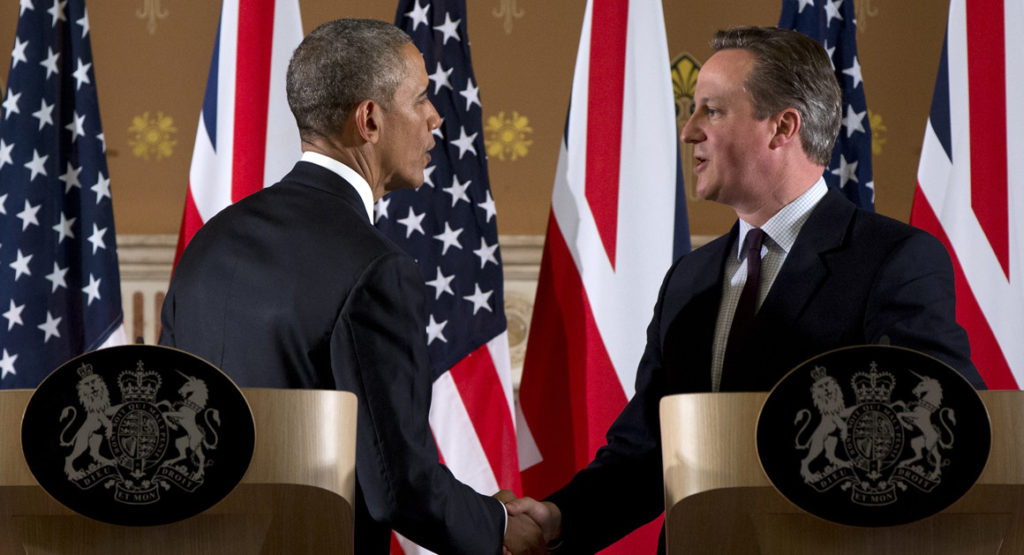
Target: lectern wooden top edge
303, 437
713, 478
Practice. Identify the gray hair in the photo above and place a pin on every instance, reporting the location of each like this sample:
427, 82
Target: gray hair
791, 70
337, 66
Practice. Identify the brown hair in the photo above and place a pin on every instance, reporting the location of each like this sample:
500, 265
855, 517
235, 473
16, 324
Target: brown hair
791, 70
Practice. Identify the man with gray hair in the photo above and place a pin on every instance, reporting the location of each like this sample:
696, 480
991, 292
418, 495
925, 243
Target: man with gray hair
293, 287
803, 271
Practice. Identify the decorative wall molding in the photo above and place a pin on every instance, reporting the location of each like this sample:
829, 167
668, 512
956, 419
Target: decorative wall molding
146, 261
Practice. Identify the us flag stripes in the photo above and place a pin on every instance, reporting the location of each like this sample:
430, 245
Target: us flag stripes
618, 220
60, 293
969, 185
449, 226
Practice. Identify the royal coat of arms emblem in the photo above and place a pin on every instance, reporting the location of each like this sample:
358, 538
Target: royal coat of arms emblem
873, 435
174, 435
138, 433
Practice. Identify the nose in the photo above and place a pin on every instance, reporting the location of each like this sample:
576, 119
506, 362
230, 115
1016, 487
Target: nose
691, 132
433, 119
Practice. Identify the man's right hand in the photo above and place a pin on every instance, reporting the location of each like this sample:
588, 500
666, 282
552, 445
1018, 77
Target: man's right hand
546, 514
523, 536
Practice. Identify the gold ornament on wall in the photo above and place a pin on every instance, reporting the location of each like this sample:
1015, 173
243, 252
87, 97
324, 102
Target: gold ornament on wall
862, 11
878, 132
685, 69
506, 137
151, 11
509, 10
152, 136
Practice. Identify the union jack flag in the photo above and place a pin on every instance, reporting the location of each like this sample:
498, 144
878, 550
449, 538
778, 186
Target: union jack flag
60, 291
833, 24
449, 226
604, 258
969, 181
247, 138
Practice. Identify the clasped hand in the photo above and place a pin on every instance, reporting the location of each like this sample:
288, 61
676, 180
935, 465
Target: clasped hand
532, 524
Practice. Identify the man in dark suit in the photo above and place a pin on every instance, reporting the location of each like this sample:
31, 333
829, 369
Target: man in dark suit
293, 287
824, 274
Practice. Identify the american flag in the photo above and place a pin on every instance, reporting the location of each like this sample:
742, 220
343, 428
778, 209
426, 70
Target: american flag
449, 226
60, 291
970, 178
833, 24
247, 138
618, 220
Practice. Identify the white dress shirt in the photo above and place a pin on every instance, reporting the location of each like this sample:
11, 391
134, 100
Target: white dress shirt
781, 231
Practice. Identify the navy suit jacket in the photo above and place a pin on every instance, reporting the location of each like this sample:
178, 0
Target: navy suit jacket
292, 287
852, 277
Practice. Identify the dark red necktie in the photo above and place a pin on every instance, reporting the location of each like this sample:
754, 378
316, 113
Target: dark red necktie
747, 306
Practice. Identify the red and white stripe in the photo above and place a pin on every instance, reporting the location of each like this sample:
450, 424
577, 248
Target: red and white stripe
472, 422
257, 141
970, 201
609, 243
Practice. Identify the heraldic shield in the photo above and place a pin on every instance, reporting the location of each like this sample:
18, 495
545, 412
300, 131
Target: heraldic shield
873, 436
138, 435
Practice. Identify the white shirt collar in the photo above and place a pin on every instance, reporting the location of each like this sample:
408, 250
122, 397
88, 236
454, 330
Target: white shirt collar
346, 173
785, 225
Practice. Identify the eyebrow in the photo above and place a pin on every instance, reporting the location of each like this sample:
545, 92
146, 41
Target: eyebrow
710, 98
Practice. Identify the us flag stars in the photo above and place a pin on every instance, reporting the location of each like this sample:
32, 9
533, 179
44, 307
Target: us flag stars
59, 278
832, 23
465, 142
413, 223
442, 222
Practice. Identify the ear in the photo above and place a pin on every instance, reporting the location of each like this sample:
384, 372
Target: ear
367, 118
787, 128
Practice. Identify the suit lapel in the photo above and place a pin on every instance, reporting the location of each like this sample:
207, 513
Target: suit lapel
688, 338
806, 266
799, 281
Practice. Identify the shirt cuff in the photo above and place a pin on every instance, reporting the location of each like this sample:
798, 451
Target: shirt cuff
504, 510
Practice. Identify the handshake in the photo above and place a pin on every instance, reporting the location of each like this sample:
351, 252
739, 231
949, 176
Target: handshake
532, 525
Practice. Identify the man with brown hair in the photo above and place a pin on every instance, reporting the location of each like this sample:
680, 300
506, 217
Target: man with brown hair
822, 274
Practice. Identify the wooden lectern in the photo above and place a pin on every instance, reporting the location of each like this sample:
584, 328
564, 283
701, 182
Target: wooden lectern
719, 500
297, 496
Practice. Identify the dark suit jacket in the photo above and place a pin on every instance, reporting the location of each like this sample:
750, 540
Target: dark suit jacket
852, 277
292, 287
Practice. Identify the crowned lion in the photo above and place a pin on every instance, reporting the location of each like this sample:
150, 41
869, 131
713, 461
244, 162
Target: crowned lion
95, 399
828, 399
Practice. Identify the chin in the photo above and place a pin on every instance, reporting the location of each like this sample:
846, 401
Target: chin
398, 183
704, 193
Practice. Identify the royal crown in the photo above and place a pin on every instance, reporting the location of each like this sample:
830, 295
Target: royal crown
873, 386
818, 373
84, 370
139, 385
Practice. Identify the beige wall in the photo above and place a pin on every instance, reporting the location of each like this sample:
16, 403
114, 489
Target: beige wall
152, 58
